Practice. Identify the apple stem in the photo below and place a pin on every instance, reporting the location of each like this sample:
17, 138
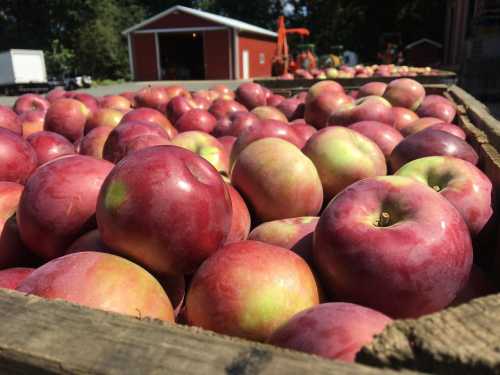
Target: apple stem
384, 219
437, 188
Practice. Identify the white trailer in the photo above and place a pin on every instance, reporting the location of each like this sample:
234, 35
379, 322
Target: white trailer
22, 70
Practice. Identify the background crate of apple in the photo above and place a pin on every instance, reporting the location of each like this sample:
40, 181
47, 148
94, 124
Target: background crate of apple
39, 335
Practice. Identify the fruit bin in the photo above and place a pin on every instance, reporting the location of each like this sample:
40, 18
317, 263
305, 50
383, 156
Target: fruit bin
54, 337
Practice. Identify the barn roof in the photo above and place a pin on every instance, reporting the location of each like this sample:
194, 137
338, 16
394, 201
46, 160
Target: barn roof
226, 21
424, 40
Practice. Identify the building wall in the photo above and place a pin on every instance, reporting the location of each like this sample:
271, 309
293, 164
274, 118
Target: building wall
178, 20
423, 54
217, 54
144, 57
261, 51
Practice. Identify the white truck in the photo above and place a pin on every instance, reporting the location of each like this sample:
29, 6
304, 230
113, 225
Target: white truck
22, 70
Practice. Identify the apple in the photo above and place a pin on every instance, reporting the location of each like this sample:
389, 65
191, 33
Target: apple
241, 221
67, 117
323, 87
178, 106
49, 145
152, 116
303, 130
331, 330
30, 102
269, 113
100, 281
152, 97
13, 252
205, 145
103, 117
175, 90
402, 117
59, 202
17, 157
221, 108
343, 156
393, 244
372, 88
437, 106
319, 109
225, 299
431, 124
450, 128
55, 93
88, 241
405, 92
10, 278
196, 119
195, 215
227, 142
86, 99
93, 142
274, 100
223, 90
464, 185
295, 234
251, 95
202, 103
292, 108
369, 108
431, 142
118, 102
32, 122
116, 144
303, 74
271, 173
130, 96
9, 120
384, 136
235, 124
265, 129
419, 124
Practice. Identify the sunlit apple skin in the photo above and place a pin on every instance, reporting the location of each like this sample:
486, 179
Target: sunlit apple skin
17, 157
234, 124
10, 278
175, 239
402, 117
405, 92
271, 173
29, 103
251, 95
152, 97
117, 102
93, 143
295, 234
323, 87
101, 281
331, 330
221, 108
369, 108
343, 156
151, 116
445, 127
372, 88
269, 113
419, 124
241, 221
411, 262
437, 106
58, 203
430, 142
90, 102
384, 136
130, 96
198, 120
275, 100
103, 117
223, 90
318, 110
49, 146
31, 122
464, 185
222, 297
9, 120
56, 93
67, 117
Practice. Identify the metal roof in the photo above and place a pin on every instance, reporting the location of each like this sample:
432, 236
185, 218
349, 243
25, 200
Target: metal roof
226, 21
424, 40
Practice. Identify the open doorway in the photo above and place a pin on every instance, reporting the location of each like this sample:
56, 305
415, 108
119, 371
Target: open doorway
181, 56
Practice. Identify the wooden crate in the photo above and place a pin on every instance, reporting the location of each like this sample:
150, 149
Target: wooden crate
40, 336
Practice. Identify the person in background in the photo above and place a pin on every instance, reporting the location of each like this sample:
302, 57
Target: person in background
350, 58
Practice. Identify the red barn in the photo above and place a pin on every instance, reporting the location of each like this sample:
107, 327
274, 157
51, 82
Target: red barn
185, 43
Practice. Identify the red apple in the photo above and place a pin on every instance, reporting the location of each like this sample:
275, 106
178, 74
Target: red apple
175, 90
235, 124
323, 87
10, 278
450, 128
196, 119
269, 113
405, 92
49, 145
90, 240
431, 142
393, 244
32, 122
464, 185
223, 298
178, 106
130, 96
118, 102
304, 131
86, 99
13, 252
369, 108
227, 142
275, 100
29, 103
152, 97
271, 174
152, 116
9, 120
93, 143
372, 88
55, 93
221, 108
331, 330
67, 117
437, 106
343, 156
402, 117
103, 117
195, 215
319, 109
385, 136
251, 95
419, 125
292, 108
241, 221
17, 157
100, 281
223, 90
58, 203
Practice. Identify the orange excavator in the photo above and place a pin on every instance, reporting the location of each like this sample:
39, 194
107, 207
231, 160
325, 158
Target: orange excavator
282, 62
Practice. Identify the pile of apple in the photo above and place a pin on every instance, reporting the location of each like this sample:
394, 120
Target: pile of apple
362, 71
308, 222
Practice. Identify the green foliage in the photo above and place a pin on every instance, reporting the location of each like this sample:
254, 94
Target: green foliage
59, 58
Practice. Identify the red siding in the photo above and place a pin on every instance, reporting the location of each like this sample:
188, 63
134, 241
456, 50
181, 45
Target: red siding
257, 44
217, 54
178, 19
144, 56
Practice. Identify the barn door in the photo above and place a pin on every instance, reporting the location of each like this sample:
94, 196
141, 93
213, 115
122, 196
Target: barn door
246, 64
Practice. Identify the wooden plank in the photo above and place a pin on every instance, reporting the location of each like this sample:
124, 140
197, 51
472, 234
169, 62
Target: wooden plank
460, 340
54, 337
